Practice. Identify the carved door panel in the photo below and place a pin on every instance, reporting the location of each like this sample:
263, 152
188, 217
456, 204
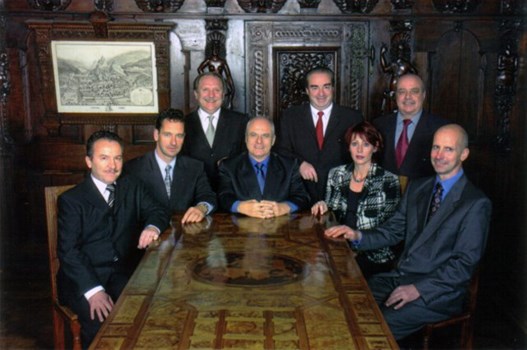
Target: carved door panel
280, 53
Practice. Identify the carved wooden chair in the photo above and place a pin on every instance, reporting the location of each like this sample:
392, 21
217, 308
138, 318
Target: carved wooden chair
466, 319
60, 313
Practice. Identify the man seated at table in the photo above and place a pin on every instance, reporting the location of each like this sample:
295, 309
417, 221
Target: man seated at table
178, 181
260, 183
102, 224
444, 223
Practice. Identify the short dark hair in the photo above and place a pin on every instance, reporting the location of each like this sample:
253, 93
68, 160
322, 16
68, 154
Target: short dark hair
102, 135
172, 114
368, 132
210, 74
324, 70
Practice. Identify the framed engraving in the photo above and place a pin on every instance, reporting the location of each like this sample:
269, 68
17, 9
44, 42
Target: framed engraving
105, 76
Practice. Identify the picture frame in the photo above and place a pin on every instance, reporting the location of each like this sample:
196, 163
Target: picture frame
105, 76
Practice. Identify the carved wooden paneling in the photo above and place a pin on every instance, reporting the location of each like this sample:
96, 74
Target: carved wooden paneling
280, 52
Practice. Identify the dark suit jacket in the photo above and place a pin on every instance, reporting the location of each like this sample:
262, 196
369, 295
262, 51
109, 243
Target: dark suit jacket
416, 163
282, 182
91, 235
189, 181
228, 140
439, 257
297, 139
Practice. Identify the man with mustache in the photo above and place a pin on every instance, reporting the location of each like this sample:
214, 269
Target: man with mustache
213, 132
103, 224
408, 133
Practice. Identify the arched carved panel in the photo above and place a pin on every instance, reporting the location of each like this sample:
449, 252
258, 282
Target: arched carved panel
280, 52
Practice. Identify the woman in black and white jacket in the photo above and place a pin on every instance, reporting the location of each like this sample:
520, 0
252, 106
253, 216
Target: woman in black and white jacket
362, 194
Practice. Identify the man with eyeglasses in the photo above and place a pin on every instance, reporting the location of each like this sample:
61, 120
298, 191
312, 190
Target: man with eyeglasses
409, 132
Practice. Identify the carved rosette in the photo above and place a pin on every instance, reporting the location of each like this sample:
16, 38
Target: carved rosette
506, 77
49, 5
402, 4
455, 6
159, 5
281, 54
356, 6
261, 6
308, 4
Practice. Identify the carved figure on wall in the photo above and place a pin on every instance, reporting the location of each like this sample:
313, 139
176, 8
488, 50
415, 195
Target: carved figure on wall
49, 5
507, 68
398, 66
215, 62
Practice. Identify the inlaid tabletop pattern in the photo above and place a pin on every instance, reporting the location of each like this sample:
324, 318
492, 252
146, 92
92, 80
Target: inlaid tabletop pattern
234, 282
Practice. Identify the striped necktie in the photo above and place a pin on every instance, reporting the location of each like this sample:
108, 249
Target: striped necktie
168, 179
111, 198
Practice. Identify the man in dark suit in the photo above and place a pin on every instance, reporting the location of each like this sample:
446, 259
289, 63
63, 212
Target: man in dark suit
102, 224
260, 183
414, 161
213, 133
177, 181
444, 223
314, 133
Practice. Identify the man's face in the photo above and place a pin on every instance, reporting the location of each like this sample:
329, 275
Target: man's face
409, 95
448, 152
169, 139
259, 139
106, 163
209, 94
320, 90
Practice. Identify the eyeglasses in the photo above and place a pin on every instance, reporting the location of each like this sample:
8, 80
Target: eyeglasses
411, 92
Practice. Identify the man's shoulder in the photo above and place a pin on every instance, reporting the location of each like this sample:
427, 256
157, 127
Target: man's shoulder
384, 120
294, 111
434, 121
138, 163
189, 162
233, 115
285, 160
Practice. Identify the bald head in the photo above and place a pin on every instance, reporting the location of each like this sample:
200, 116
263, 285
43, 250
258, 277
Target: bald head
449, 150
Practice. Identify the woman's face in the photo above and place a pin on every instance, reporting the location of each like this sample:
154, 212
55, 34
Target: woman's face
361, 150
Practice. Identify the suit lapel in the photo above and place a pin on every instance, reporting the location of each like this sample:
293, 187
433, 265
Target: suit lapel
195, 124
273, 183
448, 206
222, 129
334, 121
179, 179
248, 178
93, 196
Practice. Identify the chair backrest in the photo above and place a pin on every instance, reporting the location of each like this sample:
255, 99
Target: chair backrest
51, 195
403, 182
473, 292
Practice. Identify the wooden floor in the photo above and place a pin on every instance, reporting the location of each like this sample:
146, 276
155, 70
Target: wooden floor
26, 319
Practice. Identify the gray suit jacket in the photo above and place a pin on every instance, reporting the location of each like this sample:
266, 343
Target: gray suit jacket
440, 256
190, 185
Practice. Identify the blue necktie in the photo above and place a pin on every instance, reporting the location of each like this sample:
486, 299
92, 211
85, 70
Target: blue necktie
436, 200
260, 176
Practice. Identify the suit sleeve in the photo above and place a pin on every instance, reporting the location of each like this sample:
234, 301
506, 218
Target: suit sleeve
226, 193
464, 256
297, 192
151, 210
74, 263
203, 191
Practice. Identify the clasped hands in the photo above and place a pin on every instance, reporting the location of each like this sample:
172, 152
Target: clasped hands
263, 209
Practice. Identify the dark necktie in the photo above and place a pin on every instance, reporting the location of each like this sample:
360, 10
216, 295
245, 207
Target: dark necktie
320, 130
111, 198
260, 176
402, 144
436, 200
168, 179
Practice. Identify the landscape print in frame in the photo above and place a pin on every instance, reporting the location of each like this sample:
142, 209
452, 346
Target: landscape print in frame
105, 77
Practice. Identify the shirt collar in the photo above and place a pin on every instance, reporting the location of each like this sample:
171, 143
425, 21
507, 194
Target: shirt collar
449, 183
415, 118
101, 186
327, 110
265, 162
162, 164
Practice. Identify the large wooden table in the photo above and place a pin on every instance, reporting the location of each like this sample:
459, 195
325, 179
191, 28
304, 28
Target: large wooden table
238, 282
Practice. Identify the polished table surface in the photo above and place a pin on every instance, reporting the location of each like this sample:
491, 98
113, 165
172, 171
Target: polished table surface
244, 283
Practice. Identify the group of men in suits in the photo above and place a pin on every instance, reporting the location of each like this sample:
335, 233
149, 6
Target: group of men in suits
217, 151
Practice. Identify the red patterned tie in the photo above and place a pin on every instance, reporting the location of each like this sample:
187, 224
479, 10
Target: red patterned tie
320, 130
402, 144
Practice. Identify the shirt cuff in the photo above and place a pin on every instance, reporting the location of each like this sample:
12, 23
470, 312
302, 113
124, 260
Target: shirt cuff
234, 207
292, 205
92, 292
356, 242
154, 227
208, 205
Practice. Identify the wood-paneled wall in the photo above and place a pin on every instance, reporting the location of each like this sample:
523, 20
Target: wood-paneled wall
470, 53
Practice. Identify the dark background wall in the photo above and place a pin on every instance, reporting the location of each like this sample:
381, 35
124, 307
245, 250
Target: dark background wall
470, 53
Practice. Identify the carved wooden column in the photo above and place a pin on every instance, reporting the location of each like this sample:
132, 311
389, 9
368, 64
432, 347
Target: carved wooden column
6, 151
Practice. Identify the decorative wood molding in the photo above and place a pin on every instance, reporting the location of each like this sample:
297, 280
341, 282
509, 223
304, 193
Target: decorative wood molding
159, 5
269, 6
356, 6
308, 4
49, 5
402, 4
274, 81
103, 5
47, 31
455, 6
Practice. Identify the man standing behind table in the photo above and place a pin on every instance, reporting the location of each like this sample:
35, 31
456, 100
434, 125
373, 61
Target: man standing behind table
213, 133
260, 183
444, 223
408, 133
177, 181
314, 133
102, 224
